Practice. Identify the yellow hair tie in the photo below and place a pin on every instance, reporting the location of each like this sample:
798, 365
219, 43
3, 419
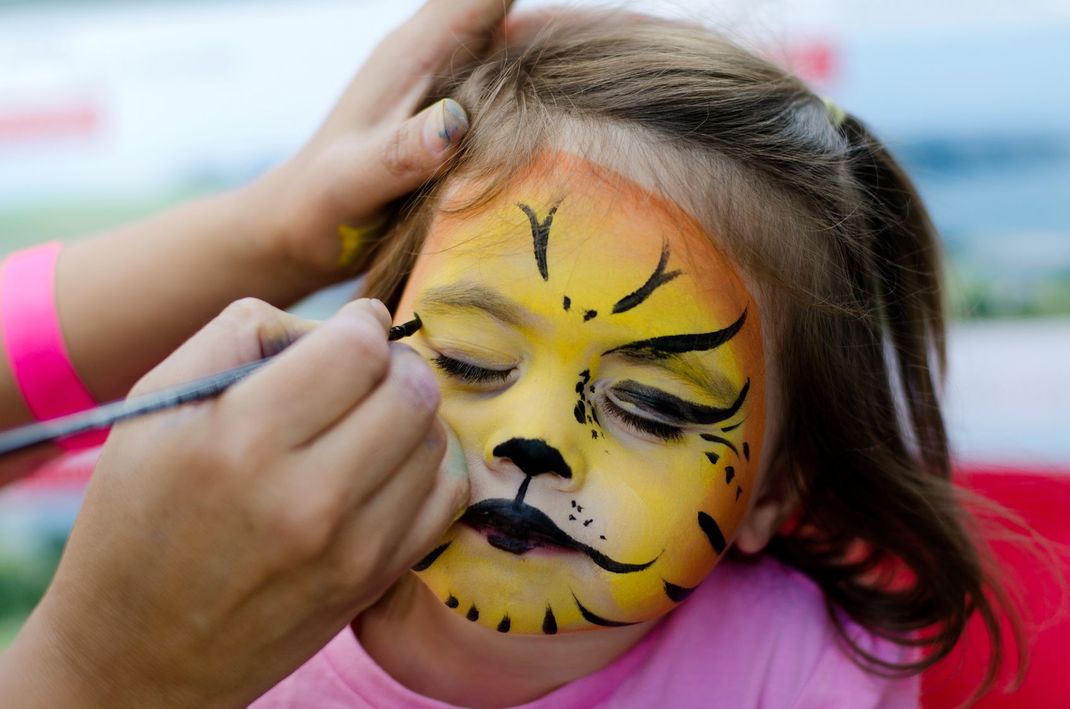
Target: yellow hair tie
836, 114
355, 238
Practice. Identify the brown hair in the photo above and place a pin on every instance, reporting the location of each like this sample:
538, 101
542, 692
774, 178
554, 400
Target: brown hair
826, 223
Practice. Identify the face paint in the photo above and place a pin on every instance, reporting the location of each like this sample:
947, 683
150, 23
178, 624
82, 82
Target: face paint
601, 364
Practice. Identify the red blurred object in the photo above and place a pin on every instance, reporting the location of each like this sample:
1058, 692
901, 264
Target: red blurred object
817, 61
1042, 499
68, 472
79, 120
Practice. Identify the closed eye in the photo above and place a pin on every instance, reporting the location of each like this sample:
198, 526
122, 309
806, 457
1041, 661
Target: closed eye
642, 424
470, 373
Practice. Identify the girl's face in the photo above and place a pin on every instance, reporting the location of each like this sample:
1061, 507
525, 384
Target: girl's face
601, 364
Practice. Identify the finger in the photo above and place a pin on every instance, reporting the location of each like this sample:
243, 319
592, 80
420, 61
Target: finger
245, 331
442, 507
390, 509
379, 168
317, 380
397, 525
398, 72
382, 432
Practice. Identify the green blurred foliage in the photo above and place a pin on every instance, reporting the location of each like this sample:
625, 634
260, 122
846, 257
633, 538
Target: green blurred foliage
23, 580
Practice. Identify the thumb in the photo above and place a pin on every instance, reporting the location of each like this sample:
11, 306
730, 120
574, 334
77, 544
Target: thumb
245, 331
421, 145
418, 148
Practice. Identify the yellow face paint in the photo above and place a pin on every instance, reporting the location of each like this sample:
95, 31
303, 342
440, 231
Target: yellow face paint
601, 363
353, 240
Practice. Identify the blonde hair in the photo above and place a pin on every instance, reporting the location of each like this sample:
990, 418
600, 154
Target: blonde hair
818, 214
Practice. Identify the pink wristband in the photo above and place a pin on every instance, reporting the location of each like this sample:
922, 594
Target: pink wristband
33, 341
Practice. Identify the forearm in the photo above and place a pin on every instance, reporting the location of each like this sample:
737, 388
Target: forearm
127, 297
36, 671
44, 668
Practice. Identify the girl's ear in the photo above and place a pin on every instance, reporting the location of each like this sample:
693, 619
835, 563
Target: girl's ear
777, 502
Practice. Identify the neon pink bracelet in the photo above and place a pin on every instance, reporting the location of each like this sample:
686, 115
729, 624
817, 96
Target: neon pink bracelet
33, 341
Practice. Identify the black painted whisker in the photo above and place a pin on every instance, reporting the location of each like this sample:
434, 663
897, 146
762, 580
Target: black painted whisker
713, 532
425, 563
657, 279
549, 622
677, 593
596, 619
714, 438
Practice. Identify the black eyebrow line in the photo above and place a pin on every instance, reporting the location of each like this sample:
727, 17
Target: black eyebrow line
660, 347
474, 297
657, 279
540, 236
662, 402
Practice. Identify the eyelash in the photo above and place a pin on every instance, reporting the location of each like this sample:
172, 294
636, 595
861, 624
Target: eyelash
468, 372
664, 431
474, 374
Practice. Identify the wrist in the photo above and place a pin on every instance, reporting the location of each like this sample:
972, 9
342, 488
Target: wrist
62, 659
298, 229
278, 246
39, 670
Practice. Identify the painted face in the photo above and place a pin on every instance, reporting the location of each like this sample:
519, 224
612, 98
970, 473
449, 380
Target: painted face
601, 363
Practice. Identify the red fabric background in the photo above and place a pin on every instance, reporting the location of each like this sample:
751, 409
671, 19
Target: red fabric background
1042, 498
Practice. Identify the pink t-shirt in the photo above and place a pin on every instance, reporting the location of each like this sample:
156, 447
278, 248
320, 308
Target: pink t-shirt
754, 634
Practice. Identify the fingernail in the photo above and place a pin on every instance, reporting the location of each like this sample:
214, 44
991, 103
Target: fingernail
382, 310
445, 126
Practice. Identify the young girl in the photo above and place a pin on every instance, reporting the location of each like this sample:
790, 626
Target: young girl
684, 312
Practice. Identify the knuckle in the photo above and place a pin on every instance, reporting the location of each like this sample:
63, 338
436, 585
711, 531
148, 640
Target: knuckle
368, 346
299, 530
245, 317
246, 309
249, 445
397, 159
362, 568
210, 463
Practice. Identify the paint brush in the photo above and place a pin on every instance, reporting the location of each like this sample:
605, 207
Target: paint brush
106, 415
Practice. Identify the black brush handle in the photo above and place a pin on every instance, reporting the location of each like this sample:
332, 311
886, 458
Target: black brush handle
107, 415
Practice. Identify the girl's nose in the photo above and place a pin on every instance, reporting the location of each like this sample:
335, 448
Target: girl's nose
533, 456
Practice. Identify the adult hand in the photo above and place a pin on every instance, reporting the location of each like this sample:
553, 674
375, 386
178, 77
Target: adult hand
371, 149
222, 544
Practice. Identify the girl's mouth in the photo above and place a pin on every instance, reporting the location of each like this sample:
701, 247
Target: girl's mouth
517, 528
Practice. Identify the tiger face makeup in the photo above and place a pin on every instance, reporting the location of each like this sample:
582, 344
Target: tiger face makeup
601, 363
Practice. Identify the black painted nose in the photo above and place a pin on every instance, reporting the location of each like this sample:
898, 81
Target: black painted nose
533, 456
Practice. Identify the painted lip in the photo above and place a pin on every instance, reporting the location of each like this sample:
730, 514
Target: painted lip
519, 528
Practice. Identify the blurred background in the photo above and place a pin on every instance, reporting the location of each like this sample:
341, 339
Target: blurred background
110, 110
